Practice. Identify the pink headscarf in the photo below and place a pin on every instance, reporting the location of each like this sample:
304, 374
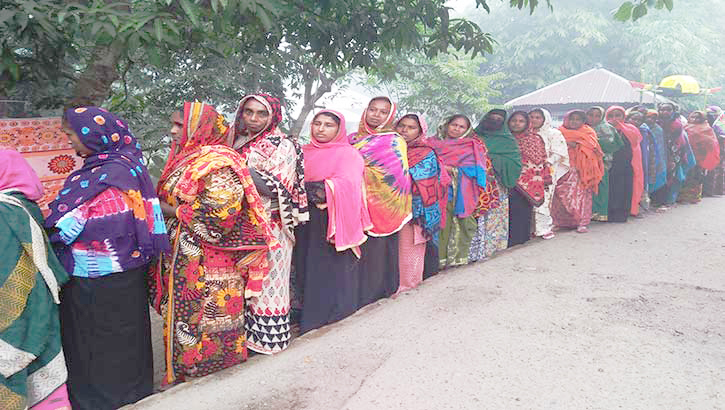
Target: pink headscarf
341, 167
16, 174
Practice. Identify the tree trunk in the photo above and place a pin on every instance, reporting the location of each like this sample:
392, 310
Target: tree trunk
325, 82
94, 84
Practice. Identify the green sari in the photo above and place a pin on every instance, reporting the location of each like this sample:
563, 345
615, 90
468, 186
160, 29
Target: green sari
30, 277
611, 142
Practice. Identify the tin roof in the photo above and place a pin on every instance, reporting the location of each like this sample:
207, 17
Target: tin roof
595, 86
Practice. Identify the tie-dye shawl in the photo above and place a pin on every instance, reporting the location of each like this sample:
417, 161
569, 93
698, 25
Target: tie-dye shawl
116, 162
430, 184
387, 181
467, 154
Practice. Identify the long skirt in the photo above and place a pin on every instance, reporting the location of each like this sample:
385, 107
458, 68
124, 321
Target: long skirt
411, 251
267, 317
715, 181
327, 280
478, 247
572, 203
600, 201
621, 182
691, 192
106, 334
496, 226
543, 223
520, 216
455, 240
379, 272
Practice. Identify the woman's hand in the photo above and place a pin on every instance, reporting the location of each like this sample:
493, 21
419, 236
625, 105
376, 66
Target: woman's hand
168, 210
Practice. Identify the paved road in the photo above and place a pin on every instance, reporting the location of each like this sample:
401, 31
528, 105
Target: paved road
628, 316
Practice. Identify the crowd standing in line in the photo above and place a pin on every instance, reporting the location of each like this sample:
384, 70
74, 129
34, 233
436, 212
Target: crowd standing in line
248, 238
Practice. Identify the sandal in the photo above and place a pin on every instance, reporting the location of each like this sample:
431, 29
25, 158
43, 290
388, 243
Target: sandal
548, 235
582, 229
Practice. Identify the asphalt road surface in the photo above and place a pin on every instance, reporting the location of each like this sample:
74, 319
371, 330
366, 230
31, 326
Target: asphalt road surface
627, 316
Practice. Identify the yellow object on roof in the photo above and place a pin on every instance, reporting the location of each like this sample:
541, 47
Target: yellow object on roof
685, 83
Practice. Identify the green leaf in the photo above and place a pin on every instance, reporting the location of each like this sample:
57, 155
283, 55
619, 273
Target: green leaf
639, 11
158, 30
625, 11
154, 57
190, 11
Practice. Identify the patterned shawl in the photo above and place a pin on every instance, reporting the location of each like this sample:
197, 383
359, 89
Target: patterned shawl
430, 183
556, 149
277, 158
468, 155
609, 138
535, 172
503, 150
387, 182
341, 167
202, 126
657, 164
704, 142
634, 137
586, 155
117, 162
680, 158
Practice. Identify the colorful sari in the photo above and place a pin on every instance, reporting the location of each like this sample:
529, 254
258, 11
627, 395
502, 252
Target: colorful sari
634, 137
465, 157
33, 366
387, 181
572, 204
200, 290
558, 163
680, 159
706, 150
715, 179
279, 161
430, 193
610, 141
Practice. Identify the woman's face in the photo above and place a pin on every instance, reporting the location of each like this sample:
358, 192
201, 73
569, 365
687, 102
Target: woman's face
594, 117
408, 128
537, 119
177, 126
575, 121
616, 115
636, 118
651, 119
456, 128
324, 128
75, 142
665, 111
517, 123
695, 118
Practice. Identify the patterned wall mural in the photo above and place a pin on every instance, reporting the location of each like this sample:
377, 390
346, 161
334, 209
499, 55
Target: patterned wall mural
45, 147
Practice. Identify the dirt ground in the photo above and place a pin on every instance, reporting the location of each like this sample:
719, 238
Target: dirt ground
628, 316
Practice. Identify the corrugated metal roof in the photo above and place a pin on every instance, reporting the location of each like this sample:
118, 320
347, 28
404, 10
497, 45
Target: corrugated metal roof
595, 86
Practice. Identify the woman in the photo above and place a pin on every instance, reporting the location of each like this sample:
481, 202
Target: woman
707, 156
631, 135
505, 155
652, 159
388, 194
429, 181
208, 196
464, 157
572, 204
617, 171
275, 161
715, 180
658, 174
680, 159
34, 366
531, 184
557, 158
328, 246
107, 228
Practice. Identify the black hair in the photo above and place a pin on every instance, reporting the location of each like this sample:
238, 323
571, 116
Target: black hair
329, 115
456, 116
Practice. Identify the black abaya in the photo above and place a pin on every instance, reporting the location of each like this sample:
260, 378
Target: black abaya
621, 176
379, 273
520, 217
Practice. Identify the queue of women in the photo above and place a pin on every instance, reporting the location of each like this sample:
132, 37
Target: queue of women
248, 238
